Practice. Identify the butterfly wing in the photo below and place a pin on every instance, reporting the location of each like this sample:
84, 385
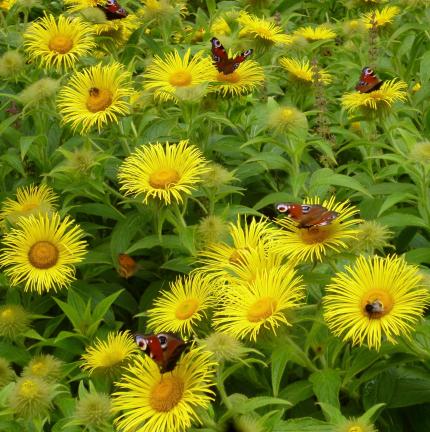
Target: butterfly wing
127, 266
164, 348
113, 10
221, 60
219, 54
368, 81
307, 215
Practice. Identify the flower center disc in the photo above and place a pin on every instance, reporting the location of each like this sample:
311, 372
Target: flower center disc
167, 393
261, 309
29, 389
186, 309
376, 304
98, 99
29, 206
355, 429
7, 314
232, 78
180, 79
43, 255
315, 234
163, 178
61, 44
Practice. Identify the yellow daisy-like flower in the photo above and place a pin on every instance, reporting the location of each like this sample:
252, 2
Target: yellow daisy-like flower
321, 32
182, 307
30, 200
150, 401
42, 251
247, 307
162, 172
262, 30
220, 27
302, 70
95, 96
58, 44
118, 27
79, 5
111, 356
376, 298
382, 17
379, 100
7, 4
217, 258
245, 79
162, 10
312, 244
166, 77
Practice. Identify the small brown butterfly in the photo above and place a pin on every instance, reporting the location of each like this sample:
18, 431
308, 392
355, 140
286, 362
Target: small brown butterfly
127, 266
369, 82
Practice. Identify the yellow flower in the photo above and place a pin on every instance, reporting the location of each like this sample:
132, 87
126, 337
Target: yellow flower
220, 27
30, 200
31, 398
245, 79
95, 96
42, 251
79, 5
166, 77
321, 32
312, 244
380, 18
183, 306
7, 374
154, 402
302, 70
376, 298
262, 31
354, 425
118, 29
416, 87
248, 307
60, 44
162, 172
14, 321
44, 366
379, 100
93, 411
111, 356
7, 4
162, 10
285, 119
219, 257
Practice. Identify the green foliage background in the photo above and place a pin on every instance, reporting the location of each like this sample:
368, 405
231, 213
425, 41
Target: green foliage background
373, 166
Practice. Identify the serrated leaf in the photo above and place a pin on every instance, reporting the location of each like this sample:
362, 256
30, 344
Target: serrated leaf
326, 385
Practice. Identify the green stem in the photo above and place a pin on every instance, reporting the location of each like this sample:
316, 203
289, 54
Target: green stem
221, 389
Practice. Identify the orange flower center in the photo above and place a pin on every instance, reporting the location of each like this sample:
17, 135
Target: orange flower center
262, 309
186, 309
43, 255
61, 44
232, 78
181, 79
376, 304
98, 99
163, 178
29, 206
167, 393
315, 234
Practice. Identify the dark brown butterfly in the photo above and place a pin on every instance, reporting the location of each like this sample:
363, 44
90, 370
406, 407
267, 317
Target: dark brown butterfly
307, 215
369, 82
113, 10
221, 60
164, 348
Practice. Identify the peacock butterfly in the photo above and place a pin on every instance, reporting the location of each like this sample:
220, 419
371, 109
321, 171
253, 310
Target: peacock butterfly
113, 10
221, 60
307, 215
127, 266
164, 348
369, 82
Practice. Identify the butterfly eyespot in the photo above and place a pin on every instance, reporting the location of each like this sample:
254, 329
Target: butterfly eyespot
163, 340
282, 208
141, 343
247, 52
305, 208
216, 58
235, 66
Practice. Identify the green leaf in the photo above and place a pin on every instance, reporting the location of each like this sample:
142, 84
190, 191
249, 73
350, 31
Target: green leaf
326, 385
280, 358
302, 425
425, 67
418, 256
99, 209
273, 198
393, 199
331, 413
297, 391
402, 220
103, 306
372, 413
254, 403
